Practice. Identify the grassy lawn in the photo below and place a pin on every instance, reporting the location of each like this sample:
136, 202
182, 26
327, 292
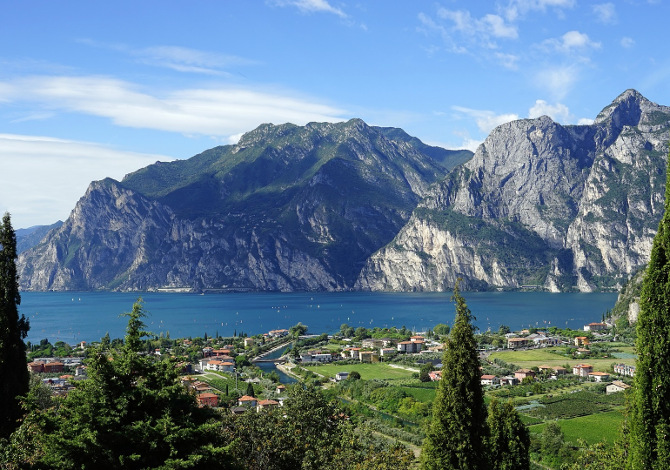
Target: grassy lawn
425, 395
367, 371
538, 357
592, 428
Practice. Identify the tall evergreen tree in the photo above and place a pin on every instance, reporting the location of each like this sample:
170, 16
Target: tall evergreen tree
458, 432
509, 441
650, 404
14, 376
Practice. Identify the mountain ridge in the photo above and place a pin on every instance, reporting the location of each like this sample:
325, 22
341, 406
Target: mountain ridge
341, 206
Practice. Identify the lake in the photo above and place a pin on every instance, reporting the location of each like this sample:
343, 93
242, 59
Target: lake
87, 316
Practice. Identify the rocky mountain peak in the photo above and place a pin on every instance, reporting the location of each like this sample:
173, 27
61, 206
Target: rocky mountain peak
625, 110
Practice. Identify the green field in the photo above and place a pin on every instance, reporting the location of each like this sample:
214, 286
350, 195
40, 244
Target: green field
592, 428
538, 357
367, 371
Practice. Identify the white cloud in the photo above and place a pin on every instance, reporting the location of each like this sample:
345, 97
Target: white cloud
558, 112
180, 59
572, 41
217, 112
486, 120
312, 6
59, 173
482, 30
627, 42
585, 121
509, 61
557, 81
520, 8
605, 13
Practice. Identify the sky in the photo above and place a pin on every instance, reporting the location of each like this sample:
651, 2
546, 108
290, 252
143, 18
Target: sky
90, 90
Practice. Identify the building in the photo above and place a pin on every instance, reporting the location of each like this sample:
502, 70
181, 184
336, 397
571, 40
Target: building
515, 343
490, 380
341, 376
372, 343
248, 342
246, 400
523, 374
208, 399
368, 356
581, 341
435, 375
595, 327
599, 376
582, 370
278, 333
558, 370
616, 386
387, 352
266, 405
410, 347
624, 369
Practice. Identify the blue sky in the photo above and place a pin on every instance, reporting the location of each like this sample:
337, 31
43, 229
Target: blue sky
96, 89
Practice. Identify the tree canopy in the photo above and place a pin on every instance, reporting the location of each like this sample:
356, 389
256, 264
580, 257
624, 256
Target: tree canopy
14, 375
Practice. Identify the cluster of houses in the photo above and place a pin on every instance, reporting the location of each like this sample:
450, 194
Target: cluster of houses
373, 350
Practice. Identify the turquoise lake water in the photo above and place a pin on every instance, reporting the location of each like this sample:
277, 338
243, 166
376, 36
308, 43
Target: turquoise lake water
87, 316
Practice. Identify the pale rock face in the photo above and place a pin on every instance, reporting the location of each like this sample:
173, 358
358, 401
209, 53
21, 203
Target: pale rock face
592, 194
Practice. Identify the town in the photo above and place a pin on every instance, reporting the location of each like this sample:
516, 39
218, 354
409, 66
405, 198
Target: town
386, 378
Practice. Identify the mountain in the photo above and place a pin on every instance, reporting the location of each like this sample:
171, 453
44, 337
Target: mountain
539, 205
350, 206
287, 208
27, 238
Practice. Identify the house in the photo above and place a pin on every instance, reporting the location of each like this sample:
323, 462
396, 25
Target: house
36, 366
354, 353
524, 373
583, 352
544, 368
582, 370
624, 369
368, 356
416, 339
599, 376
316, 357
266, 405
386, 352
509, 380
409, 347
238, 410
435, 375
515, 343
53, 367
341, 376
280, 389
372, 343
277, 333
221, 352
558, 370
595, 327
207, 351
246, 400
581, 341
248, 342
208, 399
489, 380
220, 366
616, 386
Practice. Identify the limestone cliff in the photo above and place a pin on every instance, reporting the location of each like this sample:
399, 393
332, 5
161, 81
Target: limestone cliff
539, 204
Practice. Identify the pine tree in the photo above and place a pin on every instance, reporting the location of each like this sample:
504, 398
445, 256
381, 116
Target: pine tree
458, 432
650, 404
14, 376
509, 441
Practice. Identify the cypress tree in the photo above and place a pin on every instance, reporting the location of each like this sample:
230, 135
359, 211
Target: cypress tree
14, 376
650, 403
458, 432
509, 441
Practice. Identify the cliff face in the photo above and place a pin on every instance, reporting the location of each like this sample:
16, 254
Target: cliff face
350, 206
562, 207
288, 208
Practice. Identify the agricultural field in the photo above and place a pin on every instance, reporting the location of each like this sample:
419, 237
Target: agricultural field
549, 356
378, 370
591, 429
